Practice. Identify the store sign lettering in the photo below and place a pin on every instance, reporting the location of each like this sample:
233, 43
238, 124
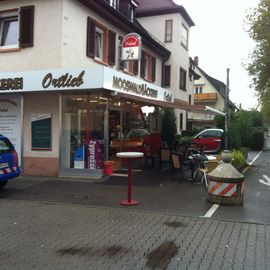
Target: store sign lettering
63, 81
11, 84
135, 88
92, 155
167, 97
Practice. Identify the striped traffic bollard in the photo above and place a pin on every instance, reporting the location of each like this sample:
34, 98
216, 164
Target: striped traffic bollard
225, 183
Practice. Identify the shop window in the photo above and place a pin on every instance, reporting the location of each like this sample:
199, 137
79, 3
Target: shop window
168, 30
183, 79
83, 132
148, 66
101, 42
167, 76
16, 31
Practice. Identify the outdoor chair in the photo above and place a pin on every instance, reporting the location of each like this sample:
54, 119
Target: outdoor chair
149, 154
207, 167
165, 157
176, 161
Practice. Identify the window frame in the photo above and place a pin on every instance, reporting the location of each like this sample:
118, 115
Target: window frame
3, 21
184, 36
25, 25
148, 66
183, 79
168, 30
114, 4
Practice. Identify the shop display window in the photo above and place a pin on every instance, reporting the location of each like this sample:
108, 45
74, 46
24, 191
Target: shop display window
82, 142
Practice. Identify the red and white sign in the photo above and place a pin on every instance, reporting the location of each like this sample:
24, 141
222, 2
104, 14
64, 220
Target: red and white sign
131, 47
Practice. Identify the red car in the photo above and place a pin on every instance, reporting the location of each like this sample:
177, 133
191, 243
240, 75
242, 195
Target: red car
211, 138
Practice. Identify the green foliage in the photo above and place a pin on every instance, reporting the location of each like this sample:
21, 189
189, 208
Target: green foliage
219, 121
265, 110
169, 128
257, 139
239, 160
185, 140
242, 126
258, 67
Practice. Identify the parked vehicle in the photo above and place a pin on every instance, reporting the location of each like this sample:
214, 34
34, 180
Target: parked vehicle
212, 140
8, 161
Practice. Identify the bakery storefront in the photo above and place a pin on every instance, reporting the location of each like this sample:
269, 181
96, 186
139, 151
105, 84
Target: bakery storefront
72, 120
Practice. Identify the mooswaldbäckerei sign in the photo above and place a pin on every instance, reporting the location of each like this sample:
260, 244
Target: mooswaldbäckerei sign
81, 79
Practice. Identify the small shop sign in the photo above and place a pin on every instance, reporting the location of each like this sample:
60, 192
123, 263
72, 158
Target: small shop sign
131, 47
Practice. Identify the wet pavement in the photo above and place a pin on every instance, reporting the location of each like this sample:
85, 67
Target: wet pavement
52, 223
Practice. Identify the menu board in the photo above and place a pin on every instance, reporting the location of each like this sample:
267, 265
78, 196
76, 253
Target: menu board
41, 127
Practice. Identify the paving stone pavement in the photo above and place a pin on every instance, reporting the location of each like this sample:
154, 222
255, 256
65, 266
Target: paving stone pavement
36, 235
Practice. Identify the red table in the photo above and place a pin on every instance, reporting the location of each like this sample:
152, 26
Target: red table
129, 156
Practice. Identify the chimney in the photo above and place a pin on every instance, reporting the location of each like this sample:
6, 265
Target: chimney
196, 60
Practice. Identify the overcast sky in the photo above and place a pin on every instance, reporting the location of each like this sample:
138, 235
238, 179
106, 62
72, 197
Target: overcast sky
220, 41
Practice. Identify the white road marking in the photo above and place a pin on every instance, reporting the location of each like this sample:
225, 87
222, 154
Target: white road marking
211, 211
265, 181
254, 159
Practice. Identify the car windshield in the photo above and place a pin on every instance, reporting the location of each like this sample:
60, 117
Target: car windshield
136, 133
5, 146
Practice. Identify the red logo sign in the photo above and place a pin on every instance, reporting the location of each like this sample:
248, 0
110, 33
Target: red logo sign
131, 41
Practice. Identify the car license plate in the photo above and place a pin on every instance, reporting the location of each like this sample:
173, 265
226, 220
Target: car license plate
3, 165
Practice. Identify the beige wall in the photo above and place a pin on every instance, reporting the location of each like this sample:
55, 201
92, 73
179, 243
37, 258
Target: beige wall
179, 55
73, 44
35, 103
47, 37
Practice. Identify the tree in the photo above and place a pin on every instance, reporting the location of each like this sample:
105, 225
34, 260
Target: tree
259, 60
169, 128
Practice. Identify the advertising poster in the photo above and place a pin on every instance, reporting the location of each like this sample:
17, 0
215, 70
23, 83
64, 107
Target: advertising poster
10, 120
94, 155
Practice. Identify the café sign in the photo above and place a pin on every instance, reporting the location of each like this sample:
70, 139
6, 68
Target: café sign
131, 47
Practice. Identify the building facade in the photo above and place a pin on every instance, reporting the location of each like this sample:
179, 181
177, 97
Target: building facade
170, 23
210, 92
67, 99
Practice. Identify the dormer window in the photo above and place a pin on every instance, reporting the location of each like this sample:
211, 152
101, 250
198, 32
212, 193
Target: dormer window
114, 3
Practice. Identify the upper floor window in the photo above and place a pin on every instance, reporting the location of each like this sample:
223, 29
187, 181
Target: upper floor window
148, 66
184, 36
167, 76
131, 13
183, 79
114, 3
9, 32
168, 30
17, 31
198, 90
100, 43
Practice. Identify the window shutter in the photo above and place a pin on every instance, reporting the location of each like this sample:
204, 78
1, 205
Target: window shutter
167, 76
142, 64
27, 26
90, 37
135, 67
121, 63
153, 69
112, 47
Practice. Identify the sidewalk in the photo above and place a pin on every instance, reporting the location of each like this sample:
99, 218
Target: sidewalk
58, 223
43, 236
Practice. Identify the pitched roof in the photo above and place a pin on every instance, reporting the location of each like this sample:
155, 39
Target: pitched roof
219, 86
159, 7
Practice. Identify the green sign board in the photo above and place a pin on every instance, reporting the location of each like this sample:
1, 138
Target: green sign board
41, 132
